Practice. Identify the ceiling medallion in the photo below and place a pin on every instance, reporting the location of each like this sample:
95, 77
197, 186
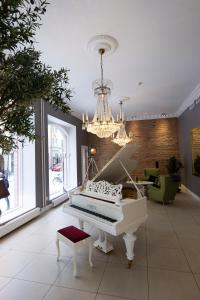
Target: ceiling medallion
106, 42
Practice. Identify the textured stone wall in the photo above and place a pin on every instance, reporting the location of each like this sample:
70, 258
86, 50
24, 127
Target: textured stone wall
157, 140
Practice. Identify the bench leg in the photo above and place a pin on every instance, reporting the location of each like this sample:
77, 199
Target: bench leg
81, 224
90, 254
74, 264
58, 248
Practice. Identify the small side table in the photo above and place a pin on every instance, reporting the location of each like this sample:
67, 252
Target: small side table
144, 184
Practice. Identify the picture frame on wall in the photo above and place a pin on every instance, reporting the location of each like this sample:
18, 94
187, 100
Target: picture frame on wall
195, 141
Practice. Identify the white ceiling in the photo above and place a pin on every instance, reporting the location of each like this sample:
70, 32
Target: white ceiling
159, 45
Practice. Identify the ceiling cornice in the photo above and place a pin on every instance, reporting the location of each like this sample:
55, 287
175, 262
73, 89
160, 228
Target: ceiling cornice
152, 117
194, 95
189, 101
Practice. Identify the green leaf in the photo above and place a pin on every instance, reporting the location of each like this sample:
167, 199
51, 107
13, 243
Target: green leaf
24, 79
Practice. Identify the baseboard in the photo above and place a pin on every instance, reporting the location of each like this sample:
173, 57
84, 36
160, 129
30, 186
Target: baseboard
185, 189
46, 208
19, 221
60, 199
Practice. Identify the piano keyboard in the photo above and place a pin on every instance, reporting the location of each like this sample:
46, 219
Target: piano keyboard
99, 216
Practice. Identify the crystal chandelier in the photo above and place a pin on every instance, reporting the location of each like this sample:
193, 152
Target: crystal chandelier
103, 123
121, 137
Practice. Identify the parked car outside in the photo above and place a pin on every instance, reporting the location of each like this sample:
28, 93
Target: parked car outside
57, 168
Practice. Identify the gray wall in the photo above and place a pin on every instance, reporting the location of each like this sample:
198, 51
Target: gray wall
188, 120
81, 137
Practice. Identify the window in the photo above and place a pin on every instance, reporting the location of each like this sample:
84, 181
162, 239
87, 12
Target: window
57, 140
62, 157
10, 172
18, 170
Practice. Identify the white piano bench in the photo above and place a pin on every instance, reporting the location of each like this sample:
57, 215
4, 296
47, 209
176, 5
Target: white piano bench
74, 238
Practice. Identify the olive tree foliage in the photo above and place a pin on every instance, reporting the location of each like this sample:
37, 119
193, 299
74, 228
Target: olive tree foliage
24, 79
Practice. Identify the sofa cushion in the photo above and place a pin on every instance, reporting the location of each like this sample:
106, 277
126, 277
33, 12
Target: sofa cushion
152, 178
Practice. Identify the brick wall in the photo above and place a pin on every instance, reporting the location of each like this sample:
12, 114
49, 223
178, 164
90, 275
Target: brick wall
157, 140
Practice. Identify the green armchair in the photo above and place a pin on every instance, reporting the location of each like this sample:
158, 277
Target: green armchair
151, 172
166, 192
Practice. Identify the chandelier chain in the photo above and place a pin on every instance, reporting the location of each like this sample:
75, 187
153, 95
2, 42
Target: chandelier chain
101, 53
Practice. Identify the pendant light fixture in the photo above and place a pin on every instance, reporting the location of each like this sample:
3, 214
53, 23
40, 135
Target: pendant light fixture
121, 137
103, 123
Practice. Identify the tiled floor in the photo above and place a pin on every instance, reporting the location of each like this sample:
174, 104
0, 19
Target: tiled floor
166, 264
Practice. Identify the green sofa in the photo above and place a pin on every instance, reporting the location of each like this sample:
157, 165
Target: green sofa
166, 192
151, 172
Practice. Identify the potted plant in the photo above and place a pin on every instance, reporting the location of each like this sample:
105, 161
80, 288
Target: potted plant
173, 167
24, 78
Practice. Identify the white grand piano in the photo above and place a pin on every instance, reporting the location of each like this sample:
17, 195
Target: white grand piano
101, 203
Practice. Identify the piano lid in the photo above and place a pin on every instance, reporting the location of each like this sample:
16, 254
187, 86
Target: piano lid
113, 170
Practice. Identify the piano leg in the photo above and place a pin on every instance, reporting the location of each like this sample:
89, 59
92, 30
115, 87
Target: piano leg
58, 248
102, 243
129, 239
74, 264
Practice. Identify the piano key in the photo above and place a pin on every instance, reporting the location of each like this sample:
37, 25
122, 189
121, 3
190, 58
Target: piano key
94, 213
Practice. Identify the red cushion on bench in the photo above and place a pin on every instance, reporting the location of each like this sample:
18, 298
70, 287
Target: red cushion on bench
73, 234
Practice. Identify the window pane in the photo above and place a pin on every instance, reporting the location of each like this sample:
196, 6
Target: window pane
10, 174
62, 157
17, 169
57, 166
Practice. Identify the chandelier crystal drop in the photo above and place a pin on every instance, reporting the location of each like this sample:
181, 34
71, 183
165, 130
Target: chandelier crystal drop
103, 123
121, 137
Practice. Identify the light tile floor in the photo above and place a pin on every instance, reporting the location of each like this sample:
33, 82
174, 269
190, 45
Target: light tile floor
166, 264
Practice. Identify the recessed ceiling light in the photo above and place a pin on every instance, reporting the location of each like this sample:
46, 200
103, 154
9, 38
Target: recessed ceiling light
133, 117
164, 115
